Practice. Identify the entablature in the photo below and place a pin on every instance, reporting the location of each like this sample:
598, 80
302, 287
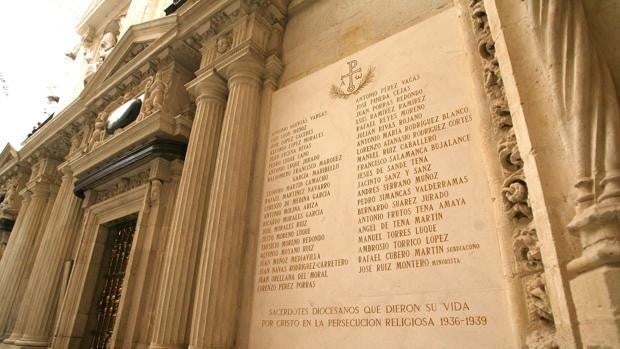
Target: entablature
128, 169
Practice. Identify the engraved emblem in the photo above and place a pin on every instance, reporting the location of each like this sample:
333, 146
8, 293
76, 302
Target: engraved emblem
352, 81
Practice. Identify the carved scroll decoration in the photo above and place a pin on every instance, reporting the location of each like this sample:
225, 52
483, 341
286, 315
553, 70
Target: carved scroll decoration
528, 261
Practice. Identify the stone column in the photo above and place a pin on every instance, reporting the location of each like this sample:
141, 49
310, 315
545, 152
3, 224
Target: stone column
38, 311
16, 266
219, 275
176, 288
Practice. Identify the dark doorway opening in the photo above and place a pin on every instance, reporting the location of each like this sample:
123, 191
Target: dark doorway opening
109, 286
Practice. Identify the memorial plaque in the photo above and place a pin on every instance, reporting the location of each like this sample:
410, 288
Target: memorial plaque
377, 228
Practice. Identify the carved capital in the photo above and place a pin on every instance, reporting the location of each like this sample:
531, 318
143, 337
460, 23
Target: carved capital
211, 86
249, 69
44, 173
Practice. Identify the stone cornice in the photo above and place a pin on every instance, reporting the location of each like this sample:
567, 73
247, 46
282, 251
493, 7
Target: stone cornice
157, 125
127, 161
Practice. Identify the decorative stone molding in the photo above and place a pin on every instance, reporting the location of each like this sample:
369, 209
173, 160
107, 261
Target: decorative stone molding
10, 197
223, 43
527, 249
155, 192
245, 25
124, 184
43, 169
155, 91
528, 262
125, 163
162, 84
12, 201
98, 134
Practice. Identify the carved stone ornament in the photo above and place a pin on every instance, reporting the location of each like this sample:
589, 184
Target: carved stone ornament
223, 43
10, 197
527, 249
155, 192
124, 184
109, 39
154, 94
530, 269
98, 134
542, 335
516, 196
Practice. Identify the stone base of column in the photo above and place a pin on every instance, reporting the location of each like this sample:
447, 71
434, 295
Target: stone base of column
23, 346
597, 296
33, 342
65, 342
596, 279
11, 339
163, 346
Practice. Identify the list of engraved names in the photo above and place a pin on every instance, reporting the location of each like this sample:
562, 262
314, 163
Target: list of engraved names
376, 217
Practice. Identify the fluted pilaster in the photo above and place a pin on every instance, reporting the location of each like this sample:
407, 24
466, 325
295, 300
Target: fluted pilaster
17, 265
38, 311
175, 301
217, 289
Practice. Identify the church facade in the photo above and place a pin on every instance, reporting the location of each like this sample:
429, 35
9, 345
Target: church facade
275, 174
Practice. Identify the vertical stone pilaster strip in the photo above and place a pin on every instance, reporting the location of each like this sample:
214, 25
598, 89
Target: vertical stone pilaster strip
273, 71
173, 309
168, 194
35, 323
539, 331
217, 290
